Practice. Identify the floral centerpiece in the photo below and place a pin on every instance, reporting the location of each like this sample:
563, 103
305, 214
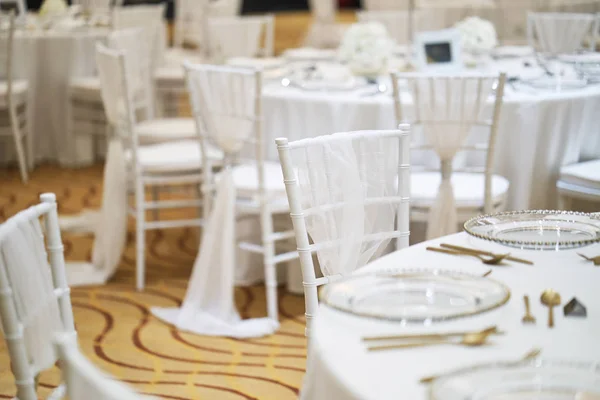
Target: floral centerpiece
366, 47
478, 36
53, 8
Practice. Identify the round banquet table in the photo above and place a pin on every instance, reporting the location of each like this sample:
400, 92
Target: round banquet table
48, 60
538, 131
339, 367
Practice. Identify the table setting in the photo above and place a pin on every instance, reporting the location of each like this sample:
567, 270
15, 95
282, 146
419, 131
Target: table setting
421, 323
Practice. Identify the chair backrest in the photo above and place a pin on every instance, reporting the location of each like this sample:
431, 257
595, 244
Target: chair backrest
94, 5
138, 51
556, 33
445, 109
35, 300
248, 36
387, 5
84, 380
350, 193
117, 95
190, 18
323, 11
150, 18
397, 23
19, 7
226, 104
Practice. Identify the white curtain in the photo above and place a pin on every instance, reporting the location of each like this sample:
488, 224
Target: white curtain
23, 256
446, 109
560, 33
209, 308
345, 188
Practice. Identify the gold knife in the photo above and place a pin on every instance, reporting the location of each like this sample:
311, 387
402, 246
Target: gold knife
483, 253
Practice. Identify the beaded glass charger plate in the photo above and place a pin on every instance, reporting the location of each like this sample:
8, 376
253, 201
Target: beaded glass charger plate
537, 379
415, 296
537, 229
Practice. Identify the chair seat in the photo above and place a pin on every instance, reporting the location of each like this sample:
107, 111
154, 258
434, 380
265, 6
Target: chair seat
180, 156
165, 129
585, 174
173, 75
175, 56
468, 188
86, 88
19, 90
245, 179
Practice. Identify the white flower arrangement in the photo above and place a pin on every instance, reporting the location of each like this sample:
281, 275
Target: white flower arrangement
366, 47
477, 35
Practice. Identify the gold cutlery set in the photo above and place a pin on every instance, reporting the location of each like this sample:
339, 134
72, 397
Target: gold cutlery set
486, 257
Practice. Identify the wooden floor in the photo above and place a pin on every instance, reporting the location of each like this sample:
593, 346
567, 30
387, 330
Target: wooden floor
117, 331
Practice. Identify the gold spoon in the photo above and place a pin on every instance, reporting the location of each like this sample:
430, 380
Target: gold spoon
529, 356
488, 330
527, 318
595, 260
470, 339
550, 298
491, 260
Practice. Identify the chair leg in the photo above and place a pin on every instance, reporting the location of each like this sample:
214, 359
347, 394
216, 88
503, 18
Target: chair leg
155, 196
270, 273
21, 155
140, 236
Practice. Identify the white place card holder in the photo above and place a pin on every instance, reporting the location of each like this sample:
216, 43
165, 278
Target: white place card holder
438, 51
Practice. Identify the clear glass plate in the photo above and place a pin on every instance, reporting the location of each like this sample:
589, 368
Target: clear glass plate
415, 295
537, 229
531, 380
555, 83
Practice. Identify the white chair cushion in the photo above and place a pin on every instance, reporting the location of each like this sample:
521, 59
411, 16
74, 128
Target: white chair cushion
165, 129
19, 90
468, 188
245, 177
180, 156
86, 88
175, 56
583, 174
170, 76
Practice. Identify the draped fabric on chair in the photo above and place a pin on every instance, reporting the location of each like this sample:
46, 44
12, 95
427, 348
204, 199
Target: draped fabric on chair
241, 36
324, 32
350, 193
561, 32
225, 106
396, 23
23, 257
387, 5
446, 109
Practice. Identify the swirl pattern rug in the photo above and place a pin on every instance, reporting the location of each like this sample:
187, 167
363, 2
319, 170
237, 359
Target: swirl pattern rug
117, 331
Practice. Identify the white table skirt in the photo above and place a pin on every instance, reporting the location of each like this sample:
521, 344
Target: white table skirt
538, 133
49, 60
339, 367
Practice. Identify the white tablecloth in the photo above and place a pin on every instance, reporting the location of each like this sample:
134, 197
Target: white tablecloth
339, 367
538, 132
49, 60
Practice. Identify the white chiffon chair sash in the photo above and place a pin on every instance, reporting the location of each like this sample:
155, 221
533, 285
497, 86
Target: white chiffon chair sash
24, 258
447, 108
241, 36
343, 184
561, 32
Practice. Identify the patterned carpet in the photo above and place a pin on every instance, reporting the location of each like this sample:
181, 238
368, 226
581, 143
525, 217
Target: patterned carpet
117, 332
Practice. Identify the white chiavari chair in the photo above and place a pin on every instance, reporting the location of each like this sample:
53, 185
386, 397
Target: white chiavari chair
324, 31
450, 114
556, 33
387, 5
172, 164
250, 36
35, 300
350, 193
397, 23
94, 7
227, 104
83, 380
14, 121
578, 181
